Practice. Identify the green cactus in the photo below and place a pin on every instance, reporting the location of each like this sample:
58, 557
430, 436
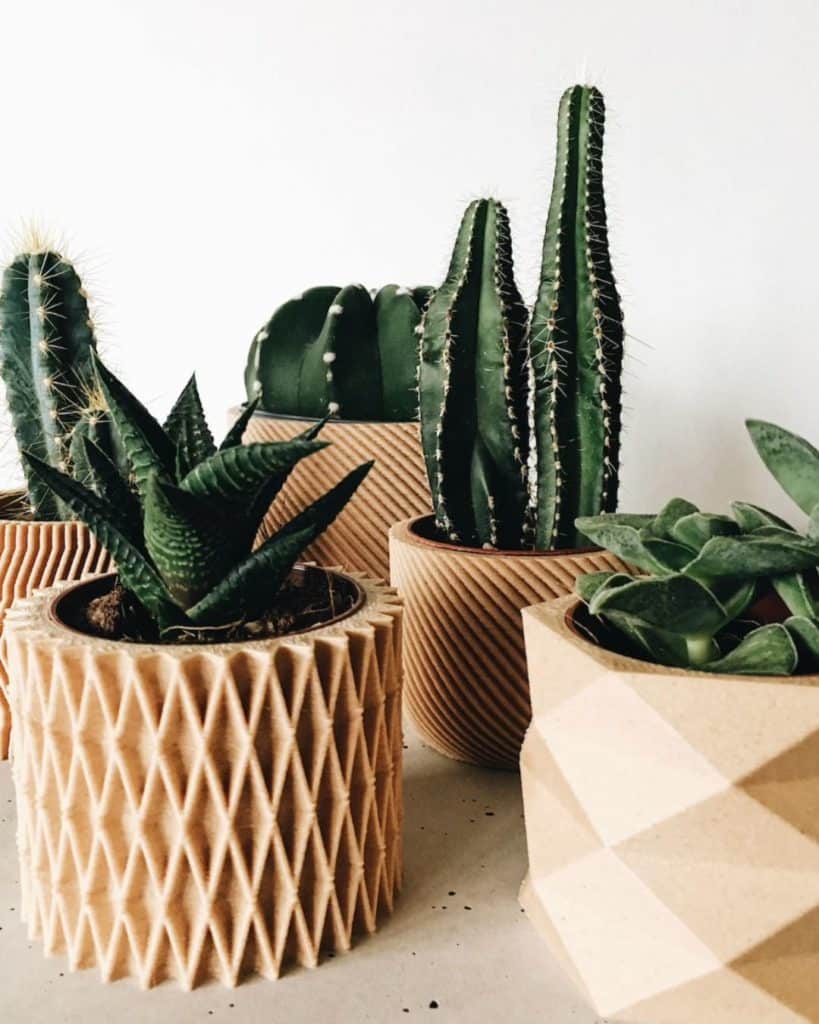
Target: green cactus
47, 343
342, 352
520, 422
183, 540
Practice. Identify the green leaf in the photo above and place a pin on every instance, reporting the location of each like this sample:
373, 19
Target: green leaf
770, 551
805, 634
695, 529
236, 474
676, 604
669, 553
135, 571
795, 590
793, 462
249, 589
767, 651
322, 512
633, 519
668, 515
188, 429
107, 482
237, 431
752, 517
587, 586
623, 540
191, 545
147, 446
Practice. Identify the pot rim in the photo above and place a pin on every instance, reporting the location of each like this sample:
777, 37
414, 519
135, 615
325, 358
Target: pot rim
267, 415
625, 662
410, 526
101, 582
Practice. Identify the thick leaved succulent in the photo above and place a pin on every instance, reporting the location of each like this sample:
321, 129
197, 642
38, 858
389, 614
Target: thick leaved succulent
181, 528
700, 575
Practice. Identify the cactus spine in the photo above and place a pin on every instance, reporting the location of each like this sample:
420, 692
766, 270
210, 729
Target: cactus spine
577, 335
520, 422
340, 351
46, 342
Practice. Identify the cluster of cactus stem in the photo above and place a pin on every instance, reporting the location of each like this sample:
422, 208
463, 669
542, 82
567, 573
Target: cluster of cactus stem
521, 416
180, 526
696, 603
47, 342
342, 352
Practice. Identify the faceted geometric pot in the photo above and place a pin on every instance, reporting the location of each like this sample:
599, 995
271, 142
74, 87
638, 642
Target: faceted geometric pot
672, 820
205, 811
34, 555
467, 693
394, 489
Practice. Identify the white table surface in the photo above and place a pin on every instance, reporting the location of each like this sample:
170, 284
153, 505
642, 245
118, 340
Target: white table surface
482, 965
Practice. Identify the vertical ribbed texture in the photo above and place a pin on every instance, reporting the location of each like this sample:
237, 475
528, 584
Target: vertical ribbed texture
34, 555
466, 687
208, 812
396, 487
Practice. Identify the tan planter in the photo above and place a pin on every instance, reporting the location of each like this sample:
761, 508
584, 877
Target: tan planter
206, 812
395, 488
673, 829
466, 687
36, 555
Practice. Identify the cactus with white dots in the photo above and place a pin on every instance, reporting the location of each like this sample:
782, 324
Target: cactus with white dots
521, 418
46, 344
340, 352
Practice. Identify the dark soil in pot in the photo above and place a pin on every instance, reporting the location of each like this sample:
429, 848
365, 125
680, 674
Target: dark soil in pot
310, 598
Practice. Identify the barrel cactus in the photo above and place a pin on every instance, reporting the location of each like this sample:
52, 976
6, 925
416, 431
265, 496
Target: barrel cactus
520, 415
47, 342
181, 526
342, 352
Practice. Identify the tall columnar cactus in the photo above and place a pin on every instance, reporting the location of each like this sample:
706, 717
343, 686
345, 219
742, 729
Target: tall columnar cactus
577, 335
340, 351
46, 343
520, 421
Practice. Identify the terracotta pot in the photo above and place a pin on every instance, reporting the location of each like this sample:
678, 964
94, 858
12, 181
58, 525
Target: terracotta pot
205, 812
673, 832
467, 693
395, 488
34, 555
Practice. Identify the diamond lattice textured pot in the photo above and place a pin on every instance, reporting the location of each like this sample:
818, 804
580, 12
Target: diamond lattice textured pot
198, 812
394, 489
672, 821
34, 555
467, 693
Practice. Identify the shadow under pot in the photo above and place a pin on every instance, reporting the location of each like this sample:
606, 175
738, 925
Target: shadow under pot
34, 555
394, 489
466, 688
206, 811
672, 831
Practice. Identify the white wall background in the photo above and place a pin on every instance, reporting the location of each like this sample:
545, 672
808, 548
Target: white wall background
212, 157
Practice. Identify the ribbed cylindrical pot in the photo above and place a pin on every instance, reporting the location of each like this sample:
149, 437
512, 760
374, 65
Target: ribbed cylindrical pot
34, 555
395, 488
466, 688
673, 835
206, 812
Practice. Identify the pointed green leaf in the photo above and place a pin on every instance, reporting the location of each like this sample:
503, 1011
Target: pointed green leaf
188, 429
107, 482
752, 517
769, 551
668, 515
805, 634
587, 586
237, 431
190, 543
793, 462
695, 529
767, 651
795, 590
623, 540
249, 590
135, 570
236, 474
322, 512
147, 446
